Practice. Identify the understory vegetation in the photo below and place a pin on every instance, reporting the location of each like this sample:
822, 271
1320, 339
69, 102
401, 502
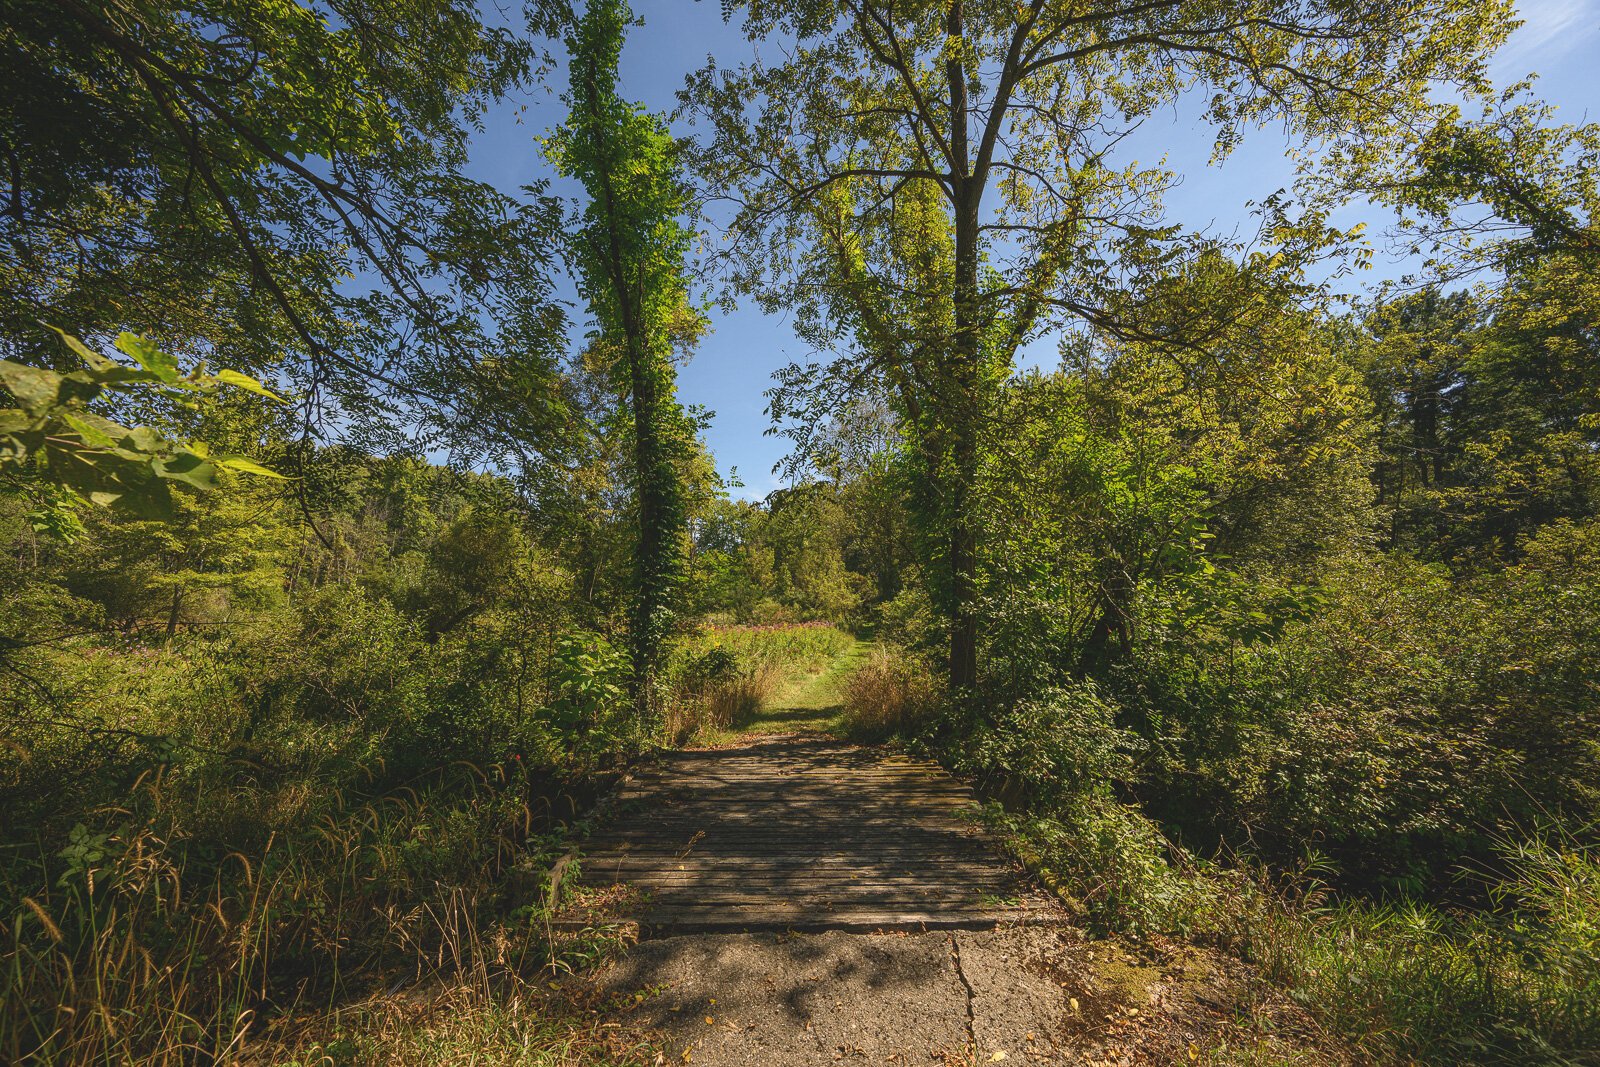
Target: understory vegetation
1342, 726
346, 563
324, 772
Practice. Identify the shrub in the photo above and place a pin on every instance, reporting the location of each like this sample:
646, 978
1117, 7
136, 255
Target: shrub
716, 691
888, 694
1399, 728
1108, 860
1055, 747
589, 712
202, 833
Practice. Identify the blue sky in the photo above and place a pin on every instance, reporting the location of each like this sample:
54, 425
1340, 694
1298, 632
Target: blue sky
734, 363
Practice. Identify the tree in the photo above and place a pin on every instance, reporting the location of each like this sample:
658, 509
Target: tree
280, 186
1502, 191
1415, 369
958, 159
1124, 490
1489, 405
630, 255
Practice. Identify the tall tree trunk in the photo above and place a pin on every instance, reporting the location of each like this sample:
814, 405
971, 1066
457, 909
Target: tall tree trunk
964, 406
172, 613
656, 562
963, 403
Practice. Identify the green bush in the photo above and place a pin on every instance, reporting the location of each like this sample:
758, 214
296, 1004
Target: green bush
1062, 744
201, 831
1517, 984
591, 716
1400, 728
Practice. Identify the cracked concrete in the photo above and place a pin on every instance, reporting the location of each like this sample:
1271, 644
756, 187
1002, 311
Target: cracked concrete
955, 960
1014, 994
773, 1001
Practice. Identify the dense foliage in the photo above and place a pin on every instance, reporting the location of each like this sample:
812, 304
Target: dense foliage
1263, 619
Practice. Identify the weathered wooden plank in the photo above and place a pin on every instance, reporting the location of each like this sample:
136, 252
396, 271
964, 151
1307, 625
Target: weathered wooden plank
778, 865
715, 888
805, 835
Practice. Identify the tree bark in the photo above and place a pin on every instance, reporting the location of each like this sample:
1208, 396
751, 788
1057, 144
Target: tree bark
963, 411
962, 402
172, 614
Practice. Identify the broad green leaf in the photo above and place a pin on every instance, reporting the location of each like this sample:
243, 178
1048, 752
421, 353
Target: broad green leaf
189, 468
15, 420
36, 387
247, 383
83, 351
149, 355
248, 466
144, 439
88, 428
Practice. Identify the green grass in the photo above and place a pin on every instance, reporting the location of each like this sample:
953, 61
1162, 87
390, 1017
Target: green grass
811, 701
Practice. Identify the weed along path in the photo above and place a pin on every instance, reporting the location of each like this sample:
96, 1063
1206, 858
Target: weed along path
801, 900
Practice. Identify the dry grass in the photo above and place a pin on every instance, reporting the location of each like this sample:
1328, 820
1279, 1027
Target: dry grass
723, 703
467, 1022
888, 693
135, 947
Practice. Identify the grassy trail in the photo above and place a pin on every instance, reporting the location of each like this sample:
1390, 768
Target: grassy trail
812, 702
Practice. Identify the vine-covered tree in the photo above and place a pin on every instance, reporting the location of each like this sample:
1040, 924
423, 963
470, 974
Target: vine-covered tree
630, 253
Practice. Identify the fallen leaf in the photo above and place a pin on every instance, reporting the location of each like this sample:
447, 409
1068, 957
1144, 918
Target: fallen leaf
996, 1056
1072, 1002
710, 1021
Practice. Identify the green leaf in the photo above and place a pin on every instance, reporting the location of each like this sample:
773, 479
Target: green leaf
248, 466
149, 355
93, 429
143, 439
247, 383
36, 387
15, 420
83, 351
188, 468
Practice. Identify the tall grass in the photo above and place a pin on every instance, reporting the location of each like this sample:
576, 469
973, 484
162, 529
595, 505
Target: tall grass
791, 648
887, 694
1515, 984
702, 705
140, 943
725, 675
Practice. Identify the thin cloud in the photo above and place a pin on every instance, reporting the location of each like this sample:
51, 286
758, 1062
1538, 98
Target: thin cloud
1550, 28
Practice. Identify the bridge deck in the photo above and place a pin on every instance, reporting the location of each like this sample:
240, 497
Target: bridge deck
806, 834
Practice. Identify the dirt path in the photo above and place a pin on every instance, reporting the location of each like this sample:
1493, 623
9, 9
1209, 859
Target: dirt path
813, 702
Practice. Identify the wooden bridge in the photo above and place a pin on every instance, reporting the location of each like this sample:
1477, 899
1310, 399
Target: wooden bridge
806, 834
